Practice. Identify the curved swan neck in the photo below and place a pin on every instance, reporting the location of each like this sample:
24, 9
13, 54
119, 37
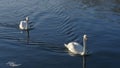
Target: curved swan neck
27, 19
84, 44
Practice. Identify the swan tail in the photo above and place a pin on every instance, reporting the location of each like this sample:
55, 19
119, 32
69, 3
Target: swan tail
65, 45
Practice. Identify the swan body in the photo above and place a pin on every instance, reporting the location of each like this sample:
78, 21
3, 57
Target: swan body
24, 24
74, 47
77, 48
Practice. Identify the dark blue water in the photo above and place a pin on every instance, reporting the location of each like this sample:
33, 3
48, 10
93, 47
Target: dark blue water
56, 22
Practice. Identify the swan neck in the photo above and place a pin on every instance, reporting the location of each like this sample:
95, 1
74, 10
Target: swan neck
84, 45
27, 19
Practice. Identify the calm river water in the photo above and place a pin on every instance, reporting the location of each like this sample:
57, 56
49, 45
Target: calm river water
54, 23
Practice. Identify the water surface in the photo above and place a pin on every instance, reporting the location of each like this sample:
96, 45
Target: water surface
56, 22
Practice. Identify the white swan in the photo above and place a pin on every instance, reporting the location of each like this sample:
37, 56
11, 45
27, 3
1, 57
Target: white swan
76, 48
24, 24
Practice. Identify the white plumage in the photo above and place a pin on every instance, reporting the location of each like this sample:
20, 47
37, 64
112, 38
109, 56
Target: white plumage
24, 24
76, 48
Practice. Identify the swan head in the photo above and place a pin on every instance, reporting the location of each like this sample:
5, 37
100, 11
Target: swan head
27, 18
85, 37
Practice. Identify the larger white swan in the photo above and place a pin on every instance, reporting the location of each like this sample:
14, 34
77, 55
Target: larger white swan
24, 24
76, 48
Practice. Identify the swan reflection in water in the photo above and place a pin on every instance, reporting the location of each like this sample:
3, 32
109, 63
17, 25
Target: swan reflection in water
84, 61
26, 26
83, 58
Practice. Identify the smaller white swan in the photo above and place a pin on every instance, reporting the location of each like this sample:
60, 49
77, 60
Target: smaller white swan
24, 24
76, 48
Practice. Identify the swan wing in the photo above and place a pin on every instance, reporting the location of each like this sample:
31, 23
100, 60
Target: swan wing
78, 48
23, 25
74, 47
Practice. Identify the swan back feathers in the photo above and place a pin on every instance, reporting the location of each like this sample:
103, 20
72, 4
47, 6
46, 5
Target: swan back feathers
23, 25
74, 47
